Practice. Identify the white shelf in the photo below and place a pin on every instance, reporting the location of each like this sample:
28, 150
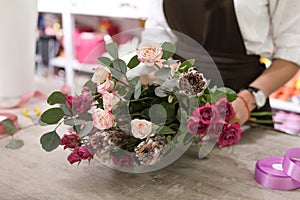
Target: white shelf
284, 105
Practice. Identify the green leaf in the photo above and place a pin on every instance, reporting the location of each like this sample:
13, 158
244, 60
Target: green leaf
66, 109
15, 144
163, 73
134, 61
230, 94
120, 65
56, 98
112, 49
157, 114
259, 114
169, 62
50, 141
104, 61
169, 85
90, 84
168, 50
74, 122
170, 98
186, 65
86, 129
159, 92
9, 126
166, 131
86, 116
116, 74
52, 116
137, 90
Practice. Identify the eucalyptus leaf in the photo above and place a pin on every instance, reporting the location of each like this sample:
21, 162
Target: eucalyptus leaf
86, 116
120, 65
74, 122
134, 61
169, 62
90, 84
15, 144
163, 73
166, 131
86, 129
104, 61
50, 141
115, 73
186, 65
168, 50
56, 98
9, 126
52, 116
137, 90
112, 49
66, 110
159, 92
158, 114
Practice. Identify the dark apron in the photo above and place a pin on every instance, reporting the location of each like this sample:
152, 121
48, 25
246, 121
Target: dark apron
213, 24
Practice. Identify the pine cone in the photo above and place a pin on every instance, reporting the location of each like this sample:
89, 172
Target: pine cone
118, 138
149, 151
192, 83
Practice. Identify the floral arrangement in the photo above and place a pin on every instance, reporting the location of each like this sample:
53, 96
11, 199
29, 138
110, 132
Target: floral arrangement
128, 119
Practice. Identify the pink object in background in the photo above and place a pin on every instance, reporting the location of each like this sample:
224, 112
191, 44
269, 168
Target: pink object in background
290, 122
89, 46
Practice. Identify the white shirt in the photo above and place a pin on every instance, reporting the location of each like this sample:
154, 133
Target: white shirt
270, 28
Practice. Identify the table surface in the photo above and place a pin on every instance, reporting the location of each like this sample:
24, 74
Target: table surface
227, 173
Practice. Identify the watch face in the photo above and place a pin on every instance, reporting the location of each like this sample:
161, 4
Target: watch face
260, 99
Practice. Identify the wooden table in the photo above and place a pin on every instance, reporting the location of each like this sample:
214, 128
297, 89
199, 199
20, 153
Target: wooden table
31, 173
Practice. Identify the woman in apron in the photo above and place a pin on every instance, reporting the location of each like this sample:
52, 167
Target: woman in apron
215, 25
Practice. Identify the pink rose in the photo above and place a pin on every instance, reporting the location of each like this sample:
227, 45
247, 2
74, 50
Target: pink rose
225, 109
149, 52
215, 129
206, 114
102, 119
196, 127
109, 100
108, 86
74, 156
100, 75
70, 141
126, 160
84, 153
230, 135
141, 128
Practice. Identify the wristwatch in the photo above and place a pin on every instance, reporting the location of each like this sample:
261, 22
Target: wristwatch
259, 96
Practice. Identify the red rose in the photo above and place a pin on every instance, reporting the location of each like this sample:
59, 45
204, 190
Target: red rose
69, 100
70, 141
206, 114
84, 153
195, 126
230, 135
126, 160
225, 109
74, 156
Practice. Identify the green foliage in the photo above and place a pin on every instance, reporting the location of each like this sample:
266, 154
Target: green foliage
52, 116
168, 50
91, 85
186, 65
8, 126
56, 98
15, 144
112, 49
133, 62
104, 61
50, 141
163, 73
86, 129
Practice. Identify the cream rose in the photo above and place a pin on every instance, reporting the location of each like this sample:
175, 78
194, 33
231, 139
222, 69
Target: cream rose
108, 86
149, 52
141, 128
109, 100
102, 119
100, 75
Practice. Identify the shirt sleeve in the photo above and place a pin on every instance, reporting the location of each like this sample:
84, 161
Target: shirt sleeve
156, 26
285, 20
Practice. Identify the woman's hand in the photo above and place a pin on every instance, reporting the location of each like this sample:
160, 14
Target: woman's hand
242, 106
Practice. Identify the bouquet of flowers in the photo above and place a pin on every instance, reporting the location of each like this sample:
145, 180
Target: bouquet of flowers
137, 113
